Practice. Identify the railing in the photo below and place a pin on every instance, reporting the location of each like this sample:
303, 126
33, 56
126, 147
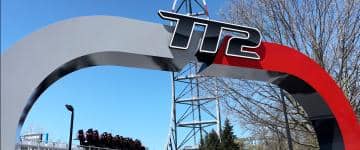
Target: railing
55, 146
95, 148
41, 146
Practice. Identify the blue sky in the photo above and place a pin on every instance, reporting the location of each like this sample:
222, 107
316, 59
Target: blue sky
125, 101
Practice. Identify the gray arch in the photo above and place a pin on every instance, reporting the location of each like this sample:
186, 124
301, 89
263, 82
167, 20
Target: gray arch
32, 64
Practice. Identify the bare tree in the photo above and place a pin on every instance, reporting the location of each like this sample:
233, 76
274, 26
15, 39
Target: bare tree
326, 30
259, 110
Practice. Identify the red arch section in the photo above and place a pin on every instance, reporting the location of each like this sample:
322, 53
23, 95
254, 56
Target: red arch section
278, 58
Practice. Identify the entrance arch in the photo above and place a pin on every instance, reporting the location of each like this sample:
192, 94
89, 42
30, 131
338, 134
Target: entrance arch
37, 61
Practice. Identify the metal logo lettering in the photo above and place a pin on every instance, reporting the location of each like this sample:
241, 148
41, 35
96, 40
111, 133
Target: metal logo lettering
185, 26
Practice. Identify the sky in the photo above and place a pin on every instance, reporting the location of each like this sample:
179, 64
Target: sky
125, 101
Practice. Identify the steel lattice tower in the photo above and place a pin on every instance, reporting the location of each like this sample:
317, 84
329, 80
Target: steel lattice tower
194, 110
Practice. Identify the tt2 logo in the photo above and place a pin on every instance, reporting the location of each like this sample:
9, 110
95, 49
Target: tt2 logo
211, 37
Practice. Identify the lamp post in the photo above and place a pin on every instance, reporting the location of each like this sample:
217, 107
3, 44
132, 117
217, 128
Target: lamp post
71, 109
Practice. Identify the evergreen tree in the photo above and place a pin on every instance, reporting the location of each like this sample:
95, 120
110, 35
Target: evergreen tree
228, 138
211, 142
